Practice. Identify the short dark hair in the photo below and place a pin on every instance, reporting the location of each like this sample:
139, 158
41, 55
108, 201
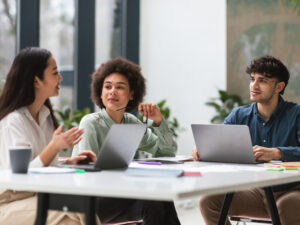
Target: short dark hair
126, 68
18, 90
270, 67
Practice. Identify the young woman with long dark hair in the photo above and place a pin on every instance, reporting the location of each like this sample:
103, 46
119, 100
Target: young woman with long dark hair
27, 119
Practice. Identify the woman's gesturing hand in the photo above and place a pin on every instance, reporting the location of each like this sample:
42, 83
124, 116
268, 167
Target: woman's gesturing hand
68, 139
151, 111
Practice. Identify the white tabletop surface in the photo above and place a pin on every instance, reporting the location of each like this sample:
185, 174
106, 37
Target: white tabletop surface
216, 178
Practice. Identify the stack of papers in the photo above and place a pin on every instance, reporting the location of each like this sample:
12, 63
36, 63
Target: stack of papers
170, 160
144, 172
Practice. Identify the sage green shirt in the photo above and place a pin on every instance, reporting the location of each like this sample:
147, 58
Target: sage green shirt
96, 126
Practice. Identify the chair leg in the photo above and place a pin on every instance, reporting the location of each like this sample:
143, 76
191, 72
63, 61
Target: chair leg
225, 208
272, 206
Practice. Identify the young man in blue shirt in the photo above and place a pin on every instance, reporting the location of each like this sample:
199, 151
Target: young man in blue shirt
275, 132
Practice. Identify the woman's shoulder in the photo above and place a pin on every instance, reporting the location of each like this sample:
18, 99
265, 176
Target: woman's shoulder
130, 118
13, 117
92, 117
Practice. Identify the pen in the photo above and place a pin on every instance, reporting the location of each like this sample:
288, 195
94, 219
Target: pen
151, 163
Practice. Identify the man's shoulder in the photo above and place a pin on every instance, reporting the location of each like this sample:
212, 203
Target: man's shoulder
243, 110
240, 114
291, 109
291, 105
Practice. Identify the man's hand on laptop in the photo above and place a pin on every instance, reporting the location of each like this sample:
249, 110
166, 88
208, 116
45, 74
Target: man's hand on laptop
83, 158
266, 154
195, 154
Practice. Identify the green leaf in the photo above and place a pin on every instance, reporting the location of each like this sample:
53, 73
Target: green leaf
161, 103
215, 105
223, 95
224, 104
69, 120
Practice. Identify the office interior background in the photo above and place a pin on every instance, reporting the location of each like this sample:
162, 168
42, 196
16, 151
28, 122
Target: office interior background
187, 49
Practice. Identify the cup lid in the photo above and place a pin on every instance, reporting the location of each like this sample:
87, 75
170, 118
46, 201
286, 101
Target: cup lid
18, 147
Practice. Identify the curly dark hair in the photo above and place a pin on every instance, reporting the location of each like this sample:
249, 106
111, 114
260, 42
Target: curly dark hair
270, 67
129, 70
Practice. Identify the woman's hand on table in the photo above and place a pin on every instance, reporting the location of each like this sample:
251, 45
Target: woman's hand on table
82, 158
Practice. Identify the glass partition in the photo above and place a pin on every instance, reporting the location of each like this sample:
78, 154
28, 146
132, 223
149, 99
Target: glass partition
7, 36
108, 30
57, 35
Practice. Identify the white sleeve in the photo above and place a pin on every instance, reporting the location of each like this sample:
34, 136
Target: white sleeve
36, 162
15, 135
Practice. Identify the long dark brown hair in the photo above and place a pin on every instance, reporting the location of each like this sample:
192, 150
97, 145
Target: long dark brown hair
18, 90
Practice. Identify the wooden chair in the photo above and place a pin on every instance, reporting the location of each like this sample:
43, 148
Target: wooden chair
245, 219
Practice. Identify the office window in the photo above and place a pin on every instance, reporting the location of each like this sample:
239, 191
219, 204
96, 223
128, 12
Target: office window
7, 36
108, 30
57, 35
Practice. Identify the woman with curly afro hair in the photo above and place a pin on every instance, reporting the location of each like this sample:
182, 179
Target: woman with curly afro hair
118, 88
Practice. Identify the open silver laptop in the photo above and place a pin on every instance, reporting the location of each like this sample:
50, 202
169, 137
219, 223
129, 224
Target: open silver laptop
223, 143
118, 148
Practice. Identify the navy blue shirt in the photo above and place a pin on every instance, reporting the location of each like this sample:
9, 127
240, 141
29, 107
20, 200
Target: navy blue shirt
281, 131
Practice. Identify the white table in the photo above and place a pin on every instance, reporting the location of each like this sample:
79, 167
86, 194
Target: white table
117, 184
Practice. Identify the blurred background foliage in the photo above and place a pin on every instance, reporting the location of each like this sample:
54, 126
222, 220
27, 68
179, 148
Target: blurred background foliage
224, 104
69, 119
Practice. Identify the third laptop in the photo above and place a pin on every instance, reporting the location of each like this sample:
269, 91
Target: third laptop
223, 143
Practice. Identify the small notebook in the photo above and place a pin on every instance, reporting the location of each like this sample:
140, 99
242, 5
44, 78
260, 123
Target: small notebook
144, 172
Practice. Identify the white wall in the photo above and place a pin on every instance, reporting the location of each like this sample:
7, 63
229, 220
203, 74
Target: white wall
183, 57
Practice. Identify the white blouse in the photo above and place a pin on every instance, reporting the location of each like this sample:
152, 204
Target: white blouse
20, 129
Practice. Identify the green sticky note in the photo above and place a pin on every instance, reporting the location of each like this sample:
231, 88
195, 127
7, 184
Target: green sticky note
275, 169
291, 167
80, 171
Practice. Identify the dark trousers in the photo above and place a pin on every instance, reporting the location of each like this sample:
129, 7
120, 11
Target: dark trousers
113, 210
